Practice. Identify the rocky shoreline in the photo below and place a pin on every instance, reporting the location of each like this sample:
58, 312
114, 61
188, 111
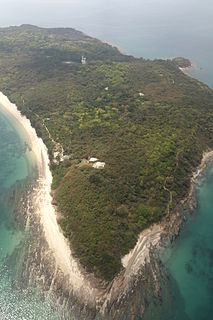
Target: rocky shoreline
151, 280
126, 297
45, 259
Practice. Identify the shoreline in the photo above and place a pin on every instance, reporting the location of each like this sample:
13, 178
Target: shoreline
152, 235
91, 293
45, 210
206, 159
39, 151
187, 70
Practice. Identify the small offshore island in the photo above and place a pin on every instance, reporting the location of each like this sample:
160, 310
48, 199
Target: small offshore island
124, 136
182, 62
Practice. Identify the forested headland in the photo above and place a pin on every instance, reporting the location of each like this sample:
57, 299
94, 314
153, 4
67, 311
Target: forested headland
146, 120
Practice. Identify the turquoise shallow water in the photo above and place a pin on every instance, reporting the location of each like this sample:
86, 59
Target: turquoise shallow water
190, 258
152, 29
15, 166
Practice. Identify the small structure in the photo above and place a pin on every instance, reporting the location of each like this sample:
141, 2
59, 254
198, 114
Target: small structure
93, 159
65, 157
95, 163
83, 60
141, 94
99, 165
107, 89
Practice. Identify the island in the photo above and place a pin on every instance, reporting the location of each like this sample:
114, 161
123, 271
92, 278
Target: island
123, 135
182, 62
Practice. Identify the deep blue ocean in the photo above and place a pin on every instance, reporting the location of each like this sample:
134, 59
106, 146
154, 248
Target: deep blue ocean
147, 28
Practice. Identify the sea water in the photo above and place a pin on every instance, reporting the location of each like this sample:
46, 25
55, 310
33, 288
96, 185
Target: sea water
15, 170
151, 29
188, 264
190, 258
143, 28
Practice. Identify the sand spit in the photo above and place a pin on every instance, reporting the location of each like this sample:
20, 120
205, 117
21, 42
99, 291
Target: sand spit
78, 279
120, 293
45, 210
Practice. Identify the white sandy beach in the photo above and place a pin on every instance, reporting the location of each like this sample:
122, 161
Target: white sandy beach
79, 282
44, 208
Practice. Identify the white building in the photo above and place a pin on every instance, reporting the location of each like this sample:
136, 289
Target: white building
96, 164
99, 165
93, 160
83, 60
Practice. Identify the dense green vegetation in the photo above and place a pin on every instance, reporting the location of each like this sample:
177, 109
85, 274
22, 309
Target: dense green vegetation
146, 120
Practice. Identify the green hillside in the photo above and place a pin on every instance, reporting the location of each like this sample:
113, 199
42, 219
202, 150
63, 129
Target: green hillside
147, 121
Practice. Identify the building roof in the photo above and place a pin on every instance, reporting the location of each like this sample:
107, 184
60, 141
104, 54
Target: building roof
99, 165
93, 159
